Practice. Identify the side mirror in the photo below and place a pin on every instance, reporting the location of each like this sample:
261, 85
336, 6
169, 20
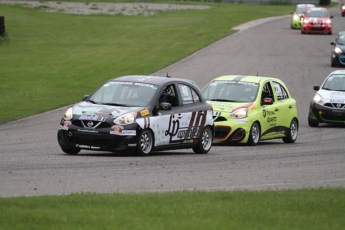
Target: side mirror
165, 106
267, 101
85, 97
316, 87
331, 16
333, 43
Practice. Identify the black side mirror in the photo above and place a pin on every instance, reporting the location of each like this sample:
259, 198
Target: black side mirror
85, 97
333, 43
331, 16
316, 87
165, 106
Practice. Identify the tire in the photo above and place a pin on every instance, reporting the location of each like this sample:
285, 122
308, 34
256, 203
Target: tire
254, 134
333, 63
293, 132
145, 144
71, 151
312, 123
205, 143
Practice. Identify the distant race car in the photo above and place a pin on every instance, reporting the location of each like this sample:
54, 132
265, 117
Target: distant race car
249, 109
342, 10
316, 20
139, 114
298, 13
328, 104
338, 50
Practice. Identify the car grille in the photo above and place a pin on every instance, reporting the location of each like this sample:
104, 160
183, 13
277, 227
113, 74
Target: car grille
317, 28
333, 116
103, 143
335, 105
95, 124
222, 131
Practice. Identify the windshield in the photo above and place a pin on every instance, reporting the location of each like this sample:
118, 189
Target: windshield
231, 91
335, 83
341, 40
316, 14
129, 94
300, 9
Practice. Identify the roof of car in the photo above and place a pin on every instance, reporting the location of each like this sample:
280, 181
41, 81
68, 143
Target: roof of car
148, 79
338, 72
245, 78
305, 5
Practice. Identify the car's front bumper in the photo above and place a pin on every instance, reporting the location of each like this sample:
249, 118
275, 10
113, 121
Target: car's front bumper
323, 114
325, 29
97, 140
338, 59
232, 131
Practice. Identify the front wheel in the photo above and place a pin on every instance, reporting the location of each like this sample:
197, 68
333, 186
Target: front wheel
145, 144
254, 134
205, 143
293, 131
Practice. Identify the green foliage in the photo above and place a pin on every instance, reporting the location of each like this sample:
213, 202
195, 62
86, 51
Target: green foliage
320, 208
49, 60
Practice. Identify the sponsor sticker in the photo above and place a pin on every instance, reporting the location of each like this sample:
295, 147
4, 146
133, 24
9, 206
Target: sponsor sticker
129, 132
144, 112
242, 121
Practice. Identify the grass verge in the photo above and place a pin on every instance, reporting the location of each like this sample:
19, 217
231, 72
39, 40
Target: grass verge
321, 208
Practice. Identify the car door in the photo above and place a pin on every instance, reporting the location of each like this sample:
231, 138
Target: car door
270, 112
182, 123
286, 105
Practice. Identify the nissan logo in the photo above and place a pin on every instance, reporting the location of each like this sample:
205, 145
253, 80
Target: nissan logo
90, 124
338, 105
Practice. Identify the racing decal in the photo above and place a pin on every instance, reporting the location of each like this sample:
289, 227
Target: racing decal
86, 147
87, 131
146, 122
132, 145
92, 118
144, 112
65, 125
129, 132
176, 128
241, 121
117, 129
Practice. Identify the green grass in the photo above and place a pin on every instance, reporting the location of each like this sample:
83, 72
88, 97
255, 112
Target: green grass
49, 60
287, 209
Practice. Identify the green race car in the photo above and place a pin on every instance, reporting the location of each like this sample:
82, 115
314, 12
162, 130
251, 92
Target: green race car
248, 109
298, 13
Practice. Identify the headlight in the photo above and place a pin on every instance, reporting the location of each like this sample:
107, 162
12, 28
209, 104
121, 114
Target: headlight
239, 113
305, 21
68, 114
338, 50
126, 119
317, 98
328, 21
296, 17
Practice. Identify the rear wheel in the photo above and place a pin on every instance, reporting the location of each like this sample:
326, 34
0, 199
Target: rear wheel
205, 143
71, 151
254, 134
293, 131
145, 144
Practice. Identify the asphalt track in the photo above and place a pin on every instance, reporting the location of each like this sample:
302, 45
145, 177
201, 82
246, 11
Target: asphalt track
31, 162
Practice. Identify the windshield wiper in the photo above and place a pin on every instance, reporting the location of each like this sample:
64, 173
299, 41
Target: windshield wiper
222, 100
93, 102
115, 104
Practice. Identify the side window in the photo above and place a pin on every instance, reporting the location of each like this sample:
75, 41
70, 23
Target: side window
280, 91
168, 95
267, 91
188, 95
